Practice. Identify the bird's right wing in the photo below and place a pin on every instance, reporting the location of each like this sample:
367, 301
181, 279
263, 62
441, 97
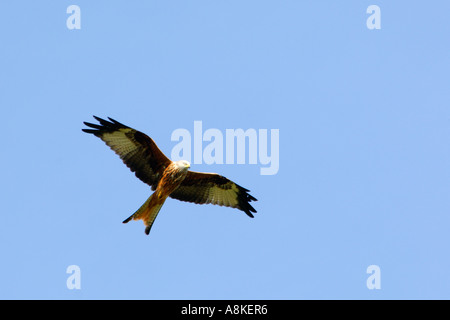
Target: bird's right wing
137, 150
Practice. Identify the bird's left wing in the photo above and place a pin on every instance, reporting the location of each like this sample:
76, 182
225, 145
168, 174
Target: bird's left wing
137, 150
203, 188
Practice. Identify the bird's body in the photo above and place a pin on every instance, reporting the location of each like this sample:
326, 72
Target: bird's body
172, 177
167, 178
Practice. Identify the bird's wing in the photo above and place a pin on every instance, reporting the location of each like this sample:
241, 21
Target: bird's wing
137, 150
203, 188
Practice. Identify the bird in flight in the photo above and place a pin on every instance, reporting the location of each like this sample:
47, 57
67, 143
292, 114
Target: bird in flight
167, 178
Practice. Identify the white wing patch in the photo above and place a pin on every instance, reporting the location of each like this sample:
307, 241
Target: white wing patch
119, 142
223, 197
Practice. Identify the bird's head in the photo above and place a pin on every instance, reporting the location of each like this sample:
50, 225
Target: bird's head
183, 165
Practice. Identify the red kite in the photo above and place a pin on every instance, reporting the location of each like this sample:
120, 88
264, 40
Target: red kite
167, 178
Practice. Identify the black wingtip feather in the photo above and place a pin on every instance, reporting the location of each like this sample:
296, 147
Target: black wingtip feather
116, 122
244, 202
104, 126
89, 131
93, 125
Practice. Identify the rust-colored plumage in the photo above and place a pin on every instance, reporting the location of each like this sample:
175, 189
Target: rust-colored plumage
167, 178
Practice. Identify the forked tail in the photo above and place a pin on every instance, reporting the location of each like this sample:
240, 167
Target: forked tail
147, 212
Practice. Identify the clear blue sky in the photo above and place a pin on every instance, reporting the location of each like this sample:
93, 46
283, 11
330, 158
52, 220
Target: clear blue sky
364, 125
